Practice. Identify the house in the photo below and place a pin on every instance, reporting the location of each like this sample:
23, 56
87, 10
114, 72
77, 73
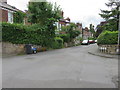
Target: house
86, 33
79, 28
26, 22
6, 12
62, 22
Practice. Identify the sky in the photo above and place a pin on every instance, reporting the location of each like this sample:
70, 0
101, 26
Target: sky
82, 11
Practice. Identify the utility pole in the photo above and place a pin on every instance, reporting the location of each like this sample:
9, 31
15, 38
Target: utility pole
119, 29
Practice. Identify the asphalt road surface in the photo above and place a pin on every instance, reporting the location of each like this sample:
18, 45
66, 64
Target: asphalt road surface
63, 68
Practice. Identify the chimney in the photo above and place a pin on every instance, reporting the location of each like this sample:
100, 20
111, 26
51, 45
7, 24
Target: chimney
3, 1
62, 14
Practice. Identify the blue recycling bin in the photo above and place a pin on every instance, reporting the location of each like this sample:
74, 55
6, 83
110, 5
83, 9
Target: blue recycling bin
34, 50
30, 49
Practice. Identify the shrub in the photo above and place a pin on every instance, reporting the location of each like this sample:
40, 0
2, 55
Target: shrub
74, 34
91, 38
18, 17
65, 37
58, 43
80, 38
108, 37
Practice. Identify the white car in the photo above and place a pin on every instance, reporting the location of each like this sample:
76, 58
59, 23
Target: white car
85, 42
95, 41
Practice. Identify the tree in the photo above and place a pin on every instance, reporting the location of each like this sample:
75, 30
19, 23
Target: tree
41, 12
92, 29
45, 14
111, 16
71, 30
19, 17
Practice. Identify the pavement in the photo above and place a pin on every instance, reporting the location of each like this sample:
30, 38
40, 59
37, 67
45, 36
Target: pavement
71, 67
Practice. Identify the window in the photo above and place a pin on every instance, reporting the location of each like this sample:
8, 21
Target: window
10, 17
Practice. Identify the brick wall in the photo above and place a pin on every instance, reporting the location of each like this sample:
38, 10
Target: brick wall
3, 15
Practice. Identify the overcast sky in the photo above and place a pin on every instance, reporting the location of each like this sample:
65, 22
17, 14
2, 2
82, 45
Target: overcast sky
83, 11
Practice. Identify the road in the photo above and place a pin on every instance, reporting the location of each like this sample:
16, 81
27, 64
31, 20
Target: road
70, 67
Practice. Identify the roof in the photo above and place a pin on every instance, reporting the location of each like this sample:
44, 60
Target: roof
64, 20
8, 7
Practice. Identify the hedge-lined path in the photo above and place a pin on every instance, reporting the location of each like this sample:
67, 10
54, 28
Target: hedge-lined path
63, 68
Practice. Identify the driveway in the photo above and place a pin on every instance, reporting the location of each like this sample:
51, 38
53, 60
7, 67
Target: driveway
63, 68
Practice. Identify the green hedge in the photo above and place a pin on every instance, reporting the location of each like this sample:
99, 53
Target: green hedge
74, 33
108, 37
65, 37
91, 38
21, 34
58, 43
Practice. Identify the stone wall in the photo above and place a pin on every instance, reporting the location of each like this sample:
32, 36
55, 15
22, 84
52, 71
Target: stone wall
9, 49
12, 49
108, 49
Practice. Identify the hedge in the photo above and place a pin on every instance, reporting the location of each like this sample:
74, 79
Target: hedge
108, 37
58, 43
21, 34
65, 37
91, 38
74, 34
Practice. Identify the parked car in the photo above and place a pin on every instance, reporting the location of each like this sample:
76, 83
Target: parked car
91, 41
85, 42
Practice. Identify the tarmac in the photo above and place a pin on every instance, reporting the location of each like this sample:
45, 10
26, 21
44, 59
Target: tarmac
71, 67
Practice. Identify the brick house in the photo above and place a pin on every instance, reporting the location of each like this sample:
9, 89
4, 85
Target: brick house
6, 12
79, 28
26, 22
62, 22
86, 33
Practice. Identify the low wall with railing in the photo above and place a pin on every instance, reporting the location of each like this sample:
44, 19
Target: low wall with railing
109, 49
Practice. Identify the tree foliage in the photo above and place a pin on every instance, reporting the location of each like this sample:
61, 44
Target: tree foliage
41, 12
111, 16
108, 37
45, 14
71, 31
19, 17
92, 29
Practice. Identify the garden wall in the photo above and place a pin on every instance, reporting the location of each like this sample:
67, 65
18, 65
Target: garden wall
9, 49
108, 49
